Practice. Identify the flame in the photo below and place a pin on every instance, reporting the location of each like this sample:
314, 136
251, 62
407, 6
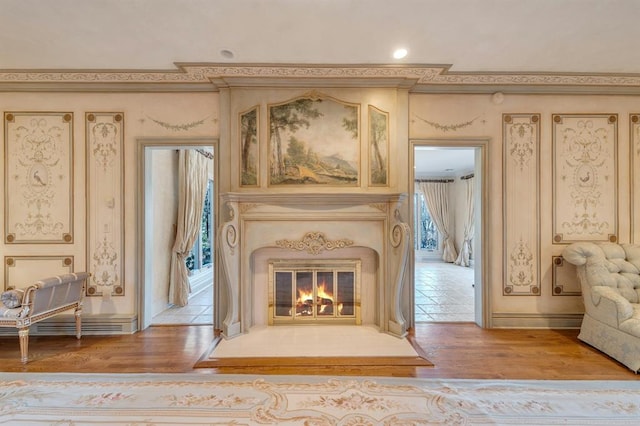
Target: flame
303, 296
321, 294
321, 291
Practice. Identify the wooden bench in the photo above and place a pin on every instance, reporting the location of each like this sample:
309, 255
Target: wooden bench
45, 299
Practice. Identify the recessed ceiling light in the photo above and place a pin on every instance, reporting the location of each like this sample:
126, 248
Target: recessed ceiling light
226, 53
400, 53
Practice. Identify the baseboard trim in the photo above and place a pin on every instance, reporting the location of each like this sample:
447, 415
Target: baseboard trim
62, 325
520, 320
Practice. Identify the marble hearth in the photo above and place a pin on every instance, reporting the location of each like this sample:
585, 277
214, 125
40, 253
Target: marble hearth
258, 229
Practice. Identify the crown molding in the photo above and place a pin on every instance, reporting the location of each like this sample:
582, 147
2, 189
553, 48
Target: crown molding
199, 77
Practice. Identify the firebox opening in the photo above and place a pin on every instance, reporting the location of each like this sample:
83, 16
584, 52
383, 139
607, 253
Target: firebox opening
314, 292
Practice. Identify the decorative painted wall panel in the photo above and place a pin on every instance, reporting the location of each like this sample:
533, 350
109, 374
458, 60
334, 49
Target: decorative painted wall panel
634, 156
22, 271
521, 142
378, 147
565, 278
585, 178
249, 149
38, 203
105, 250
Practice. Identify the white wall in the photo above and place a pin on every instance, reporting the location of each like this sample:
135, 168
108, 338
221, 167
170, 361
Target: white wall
478, 116
182, 116
164, 202
165, 116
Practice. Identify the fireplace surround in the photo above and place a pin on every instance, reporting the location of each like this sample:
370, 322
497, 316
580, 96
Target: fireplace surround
312, 230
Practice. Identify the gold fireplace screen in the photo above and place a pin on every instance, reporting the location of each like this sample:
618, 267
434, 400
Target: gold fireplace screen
313, 292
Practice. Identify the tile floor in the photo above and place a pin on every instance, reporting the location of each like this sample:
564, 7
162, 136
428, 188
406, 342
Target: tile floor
444, 292
198, 311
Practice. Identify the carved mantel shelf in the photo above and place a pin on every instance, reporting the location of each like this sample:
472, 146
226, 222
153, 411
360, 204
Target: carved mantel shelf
314, 199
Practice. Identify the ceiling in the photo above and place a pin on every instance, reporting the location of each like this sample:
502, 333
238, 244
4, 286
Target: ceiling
581, 36
465, 36
433, 162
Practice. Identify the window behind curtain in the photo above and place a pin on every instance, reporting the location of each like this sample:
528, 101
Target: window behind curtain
425, 233
201, 254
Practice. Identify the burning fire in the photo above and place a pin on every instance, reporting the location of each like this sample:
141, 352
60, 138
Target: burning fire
324, 300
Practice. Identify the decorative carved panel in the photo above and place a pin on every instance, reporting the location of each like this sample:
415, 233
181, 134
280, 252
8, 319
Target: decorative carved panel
22, 271
521, 142
565, 278
314, 243
105, 240
585, 178
38, 177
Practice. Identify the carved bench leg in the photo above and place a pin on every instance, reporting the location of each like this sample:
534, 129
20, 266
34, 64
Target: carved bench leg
78, 314
23, 334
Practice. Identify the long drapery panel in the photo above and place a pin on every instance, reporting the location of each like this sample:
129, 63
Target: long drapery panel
192, 188
464, 257
437, 198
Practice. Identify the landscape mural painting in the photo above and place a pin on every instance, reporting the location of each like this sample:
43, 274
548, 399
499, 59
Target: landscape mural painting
378, 146
249, 147
314, 140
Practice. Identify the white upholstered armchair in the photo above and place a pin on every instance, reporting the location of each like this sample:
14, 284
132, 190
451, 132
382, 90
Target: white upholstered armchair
609, 274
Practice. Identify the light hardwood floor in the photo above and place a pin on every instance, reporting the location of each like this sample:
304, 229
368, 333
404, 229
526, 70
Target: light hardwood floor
457, 350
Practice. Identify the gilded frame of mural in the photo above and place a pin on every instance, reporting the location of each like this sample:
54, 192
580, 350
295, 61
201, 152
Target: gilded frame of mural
248, 122
105, 212
378, 147
38, 164
585, 177
634, 161
314, 140
521, 192
22, 271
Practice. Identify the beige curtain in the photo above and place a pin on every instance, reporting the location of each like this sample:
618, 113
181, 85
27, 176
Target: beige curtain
192, 190
437, 198
464, 257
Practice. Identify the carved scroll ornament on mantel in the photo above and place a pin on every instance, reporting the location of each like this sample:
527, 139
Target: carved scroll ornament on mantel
314, 243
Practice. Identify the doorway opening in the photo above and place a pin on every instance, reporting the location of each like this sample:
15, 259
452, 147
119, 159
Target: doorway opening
158, 204
447, 208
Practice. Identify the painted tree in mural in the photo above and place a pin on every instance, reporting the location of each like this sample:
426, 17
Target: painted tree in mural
297, 151
290, 116
249, 134
350, 123
378, 140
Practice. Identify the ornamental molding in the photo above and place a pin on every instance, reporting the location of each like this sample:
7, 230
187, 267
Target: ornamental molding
188, 73
180, 126
420, 78
314, 243
447, 127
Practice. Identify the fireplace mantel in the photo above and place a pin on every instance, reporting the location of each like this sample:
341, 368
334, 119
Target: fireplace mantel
253, 224
313, 199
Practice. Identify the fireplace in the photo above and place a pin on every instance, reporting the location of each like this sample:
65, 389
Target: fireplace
275, 246
314, 292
